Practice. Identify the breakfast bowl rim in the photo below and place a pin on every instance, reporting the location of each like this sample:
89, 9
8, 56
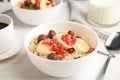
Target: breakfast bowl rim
61, 61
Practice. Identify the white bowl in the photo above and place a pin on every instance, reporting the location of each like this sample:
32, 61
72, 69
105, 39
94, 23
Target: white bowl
63, 68
36, 17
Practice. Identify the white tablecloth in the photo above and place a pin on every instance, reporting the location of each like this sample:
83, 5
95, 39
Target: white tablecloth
19, 66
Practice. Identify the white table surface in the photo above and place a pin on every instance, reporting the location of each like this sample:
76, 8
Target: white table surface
19, 66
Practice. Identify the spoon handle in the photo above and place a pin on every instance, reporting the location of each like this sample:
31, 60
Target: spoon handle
104, 69
100, 52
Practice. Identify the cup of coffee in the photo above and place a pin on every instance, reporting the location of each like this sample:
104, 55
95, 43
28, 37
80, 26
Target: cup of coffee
104, 12
6, 33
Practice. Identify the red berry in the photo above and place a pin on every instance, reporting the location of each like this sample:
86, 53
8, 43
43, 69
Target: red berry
62, 52
51, 2
54, 47
58, 45
68, 40
64, 37
46, 35
46, 41
52, 41
48, 3
37, 1
70, 50
73, 40
91, 50
78, 36
22, 6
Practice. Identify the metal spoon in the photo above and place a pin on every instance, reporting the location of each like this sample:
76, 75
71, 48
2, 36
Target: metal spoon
113, 47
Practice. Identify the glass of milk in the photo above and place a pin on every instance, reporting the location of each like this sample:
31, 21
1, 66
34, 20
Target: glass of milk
104, 12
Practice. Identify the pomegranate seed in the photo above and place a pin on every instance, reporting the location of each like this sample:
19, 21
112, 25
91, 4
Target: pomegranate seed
70, 50
47, 3
37, 1
52, 41
46, 41
72, 37
51, 2
54, 47
78, 36
64, 37
68, 42
62, 52
73, 40
46, 35
59, 45
91, 50
23, 6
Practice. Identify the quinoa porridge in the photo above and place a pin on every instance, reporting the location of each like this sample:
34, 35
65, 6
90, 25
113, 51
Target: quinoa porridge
60, 45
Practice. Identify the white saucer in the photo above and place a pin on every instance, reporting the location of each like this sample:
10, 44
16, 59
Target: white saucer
15, 48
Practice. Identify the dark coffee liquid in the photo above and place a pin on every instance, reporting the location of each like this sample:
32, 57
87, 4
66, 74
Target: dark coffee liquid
3, 25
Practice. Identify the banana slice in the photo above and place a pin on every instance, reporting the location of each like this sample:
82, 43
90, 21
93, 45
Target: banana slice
43, 48
81, 46
45, 4
57, 38
33, 1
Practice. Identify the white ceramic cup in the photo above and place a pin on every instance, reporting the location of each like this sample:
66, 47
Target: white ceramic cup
104, 12
6, 34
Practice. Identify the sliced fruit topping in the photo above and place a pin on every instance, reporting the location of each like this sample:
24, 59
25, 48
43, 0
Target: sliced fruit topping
44, 4
81, 46
62, 38
59, 46
43, 48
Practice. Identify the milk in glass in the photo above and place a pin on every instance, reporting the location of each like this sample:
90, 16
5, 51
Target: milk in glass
104, 12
